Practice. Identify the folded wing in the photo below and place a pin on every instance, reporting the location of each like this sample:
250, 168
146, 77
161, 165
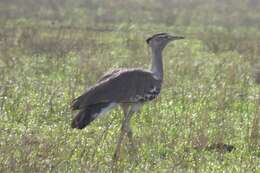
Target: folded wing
121, 86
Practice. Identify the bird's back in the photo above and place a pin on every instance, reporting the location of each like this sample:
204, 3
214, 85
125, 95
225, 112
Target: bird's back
121, 86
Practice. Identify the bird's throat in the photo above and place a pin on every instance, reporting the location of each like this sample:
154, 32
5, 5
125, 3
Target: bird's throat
157, 64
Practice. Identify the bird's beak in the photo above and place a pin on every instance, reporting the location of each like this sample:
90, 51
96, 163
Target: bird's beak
176, 38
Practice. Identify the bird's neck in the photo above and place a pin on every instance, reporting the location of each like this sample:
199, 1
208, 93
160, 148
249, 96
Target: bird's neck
157, 64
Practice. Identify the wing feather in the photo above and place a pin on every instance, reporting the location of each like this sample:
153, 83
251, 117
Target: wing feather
120, 87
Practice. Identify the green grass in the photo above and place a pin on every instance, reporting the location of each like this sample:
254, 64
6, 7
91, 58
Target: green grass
209, 96
206, 98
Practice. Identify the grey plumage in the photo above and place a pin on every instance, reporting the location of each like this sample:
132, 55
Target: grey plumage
123, 86
87, 115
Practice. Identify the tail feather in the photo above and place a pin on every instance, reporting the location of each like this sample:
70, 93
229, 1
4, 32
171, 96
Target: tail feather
75, 105
87, 115
82, 119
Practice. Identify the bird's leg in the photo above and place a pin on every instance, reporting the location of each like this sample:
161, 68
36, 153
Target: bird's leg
134, 108
124, 130
130, 137
132, 147
128, 128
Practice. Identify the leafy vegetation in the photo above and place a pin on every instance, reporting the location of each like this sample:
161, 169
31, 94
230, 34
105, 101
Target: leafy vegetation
50, 51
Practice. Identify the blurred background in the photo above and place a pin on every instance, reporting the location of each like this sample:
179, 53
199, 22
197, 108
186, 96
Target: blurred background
83, 13
51, 50
234, 22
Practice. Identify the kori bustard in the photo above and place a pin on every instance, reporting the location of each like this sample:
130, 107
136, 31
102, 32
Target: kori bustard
129, 88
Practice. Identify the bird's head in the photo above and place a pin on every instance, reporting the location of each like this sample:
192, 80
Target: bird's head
159, 41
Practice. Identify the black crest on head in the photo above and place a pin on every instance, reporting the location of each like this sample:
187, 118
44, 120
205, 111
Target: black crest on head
155, 35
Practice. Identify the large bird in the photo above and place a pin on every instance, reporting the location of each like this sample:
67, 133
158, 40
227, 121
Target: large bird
129, 88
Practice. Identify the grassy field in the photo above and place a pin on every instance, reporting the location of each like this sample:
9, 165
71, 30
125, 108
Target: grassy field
51, 51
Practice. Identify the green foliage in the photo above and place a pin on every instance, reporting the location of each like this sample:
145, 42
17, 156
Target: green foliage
210, 93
